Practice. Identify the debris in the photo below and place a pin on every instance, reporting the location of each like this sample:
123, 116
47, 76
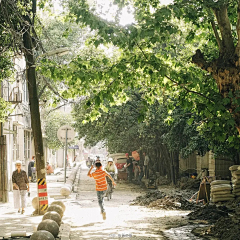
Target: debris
159, 200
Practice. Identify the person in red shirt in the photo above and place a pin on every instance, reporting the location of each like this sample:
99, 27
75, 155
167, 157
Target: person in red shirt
101, 185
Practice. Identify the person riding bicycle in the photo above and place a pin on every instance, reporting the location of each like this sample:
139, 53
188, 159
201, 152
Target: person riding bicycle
111, 169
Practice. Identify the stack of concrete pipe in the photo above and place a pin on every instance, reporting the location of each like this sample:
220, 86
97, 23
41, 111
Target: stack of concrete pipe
48, 229
68, 187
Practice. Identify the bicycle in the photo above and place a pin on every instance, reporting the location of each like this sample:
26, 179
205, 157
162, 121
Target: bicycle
110, 187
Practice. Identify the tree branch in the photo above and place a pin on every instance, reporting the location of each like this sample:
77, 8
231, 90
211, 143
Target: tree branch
56, 108
188, 90
42, 91
219, 41
225, 29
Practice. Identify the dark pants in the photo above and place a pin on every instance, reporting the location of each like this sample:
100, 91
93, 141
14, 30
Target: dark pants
146, 171
141, 174
130, 174
100, 196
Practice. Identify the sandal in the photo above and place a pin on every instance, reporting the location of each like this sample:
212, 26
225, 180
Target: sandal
23, 211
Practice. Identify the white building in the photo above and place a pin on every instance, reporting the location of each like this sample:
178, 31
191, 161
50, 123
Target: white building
17, 127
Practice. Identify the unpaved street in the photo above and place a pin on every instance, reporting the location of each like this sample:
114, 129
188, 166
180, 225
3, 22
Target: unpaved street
123, 220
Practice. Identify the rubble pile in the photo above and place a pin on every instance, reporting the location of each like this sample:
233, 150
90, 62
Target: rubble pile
235, 171
149, 197
221, 190
189, 183
157, 199
172, 203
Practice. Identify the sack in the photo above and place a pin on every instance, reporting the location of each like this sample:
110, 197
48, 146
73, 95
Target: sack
221, 188
237, 172
222, 198
214, 200
234, 167
217, 182
235, 181
221, 192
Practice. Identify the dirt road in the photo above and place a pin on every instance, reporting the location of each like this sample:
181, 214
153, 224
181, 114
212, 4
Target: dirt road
123, 220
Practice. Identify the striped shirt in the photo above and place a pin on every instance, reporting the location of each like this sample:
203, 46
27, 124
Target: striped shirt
100, 177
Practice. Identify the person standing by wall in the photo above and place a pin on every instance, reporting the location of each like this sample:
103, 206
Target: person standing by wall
20, 187
30, 166
146, 164
101, 185
129, 167
49, 169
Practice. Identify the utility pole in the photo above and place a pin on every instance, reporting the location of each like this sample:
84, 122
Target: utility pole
35, 113
3, 162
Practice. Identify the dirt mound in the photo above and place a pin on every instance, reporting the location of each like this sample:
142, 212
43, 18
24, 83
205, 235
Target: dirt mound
225, 229
149, 197
208, 213
160, 200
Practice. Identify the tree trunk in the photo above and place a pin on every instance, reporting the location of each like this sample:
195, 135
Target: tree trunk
35, 118
226, 73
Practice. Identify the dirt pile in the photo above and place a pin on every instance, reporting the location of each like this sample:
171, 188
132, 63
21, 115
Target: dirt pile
149, 197
225, 222
159, 200
208, 213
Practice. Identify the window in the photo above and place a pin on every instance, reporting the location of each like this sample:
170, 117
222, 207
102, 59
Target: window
15, 144
27, 144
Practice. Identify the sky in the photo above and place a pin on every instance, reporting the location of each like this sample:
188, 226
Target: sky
127, 15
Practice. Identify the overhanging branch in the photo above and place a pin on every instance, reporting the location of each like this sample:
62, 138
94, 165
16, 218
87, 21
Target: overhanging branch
188, 90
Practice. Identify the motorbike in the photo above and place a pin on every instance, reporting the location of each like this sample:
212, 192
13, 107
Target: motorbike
110, 187
88, 164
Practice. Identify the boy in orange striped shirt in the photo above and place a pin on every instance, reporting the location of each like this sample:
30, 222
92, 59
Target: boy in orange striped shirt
101, 184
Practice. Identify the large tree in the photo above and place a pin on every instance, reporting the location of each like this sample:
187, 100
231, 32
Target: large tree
189, 49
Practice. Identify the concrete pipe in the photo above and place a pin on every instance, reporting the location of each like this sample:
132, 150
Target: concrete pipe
56, 208
60, 203
18, 234
69, 185
42, 235
35, 203
50, 226
53, 216
65, 191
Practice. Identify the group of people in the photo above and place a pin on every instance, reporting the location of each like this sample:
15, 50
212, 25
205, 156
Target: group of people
20, 181
136, 169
